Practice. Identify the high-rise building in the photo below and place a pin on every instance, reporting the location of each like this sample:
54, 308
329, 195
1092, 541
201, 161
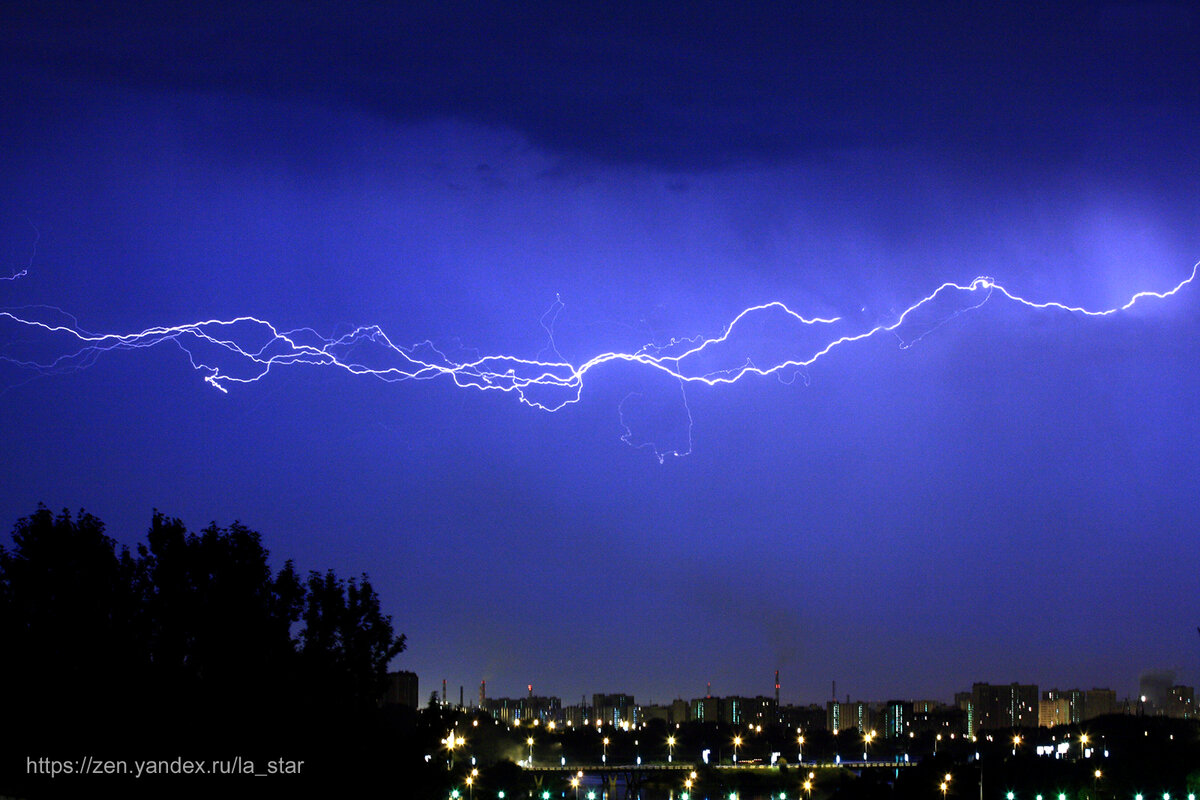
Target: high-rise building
653, 712
706, 709
997, 707
759, 711
524, 709
1181, 702
576, 716
1075, 702
1098, 702
897, 719
615, 709
401, 689
806, 718
732, 709
965, 702
930, 717
1053, 711
842, 716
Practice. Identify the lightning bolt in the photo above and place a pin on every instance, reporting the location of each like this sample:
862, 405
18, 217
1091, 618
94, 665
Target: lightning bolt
243, 350
21, 273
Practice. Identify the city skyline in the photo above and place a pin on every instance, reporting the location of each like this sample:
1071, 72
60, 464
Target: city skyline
471, 699
984, 481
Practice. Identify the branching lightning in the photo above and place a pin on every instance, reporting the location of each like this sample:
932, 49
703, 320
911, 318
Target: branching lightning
21, 273
242, 350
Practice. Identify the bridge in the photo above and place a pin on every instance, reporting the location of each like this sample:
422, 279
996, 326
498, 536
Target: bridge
634, 776
687, 766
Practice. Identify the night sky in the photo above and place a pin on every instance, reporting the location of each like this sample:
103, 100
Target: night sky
1010, 498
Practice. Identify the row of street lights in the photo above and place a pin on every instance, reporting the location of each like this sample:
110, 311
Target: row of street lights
1063, 795
453, 741
690, 782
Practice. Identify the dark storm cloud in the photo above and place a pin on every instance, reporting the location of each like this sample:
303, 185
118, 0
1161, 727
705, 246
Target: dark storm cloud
677, 85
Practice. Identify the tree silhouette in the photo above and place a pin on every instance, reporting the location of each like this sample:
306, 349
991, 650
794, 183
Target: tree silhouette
219, 622
346, 638
192, 638
68, 606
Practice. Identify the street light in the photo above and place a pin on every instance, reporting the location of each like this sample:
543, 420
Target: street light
529, 742
604, 758
670, 749
737, 742
575, 786
1095, 779
1016, 742
452, 742
945, 785
800, 748
867, 739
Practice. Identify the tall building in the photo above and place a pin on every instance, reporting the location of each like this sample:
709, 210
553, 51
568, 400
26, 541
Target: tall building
897, 719
1075, 702
1053, 711
758, 711
842, 716
576, 716
965, 702
997, 707
615, 709
401, 689
1098, 702
648, 713
733, 709
806, 718
933, 718
706, 709
1181, 702
524, 709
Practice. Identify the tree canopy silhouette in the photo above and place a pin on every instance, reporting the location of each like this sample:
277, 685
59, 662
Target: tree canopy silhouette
185, 632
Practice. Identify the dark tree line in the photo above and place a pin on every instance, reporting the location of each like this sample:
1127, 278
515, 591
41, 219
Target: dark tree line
190, 640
